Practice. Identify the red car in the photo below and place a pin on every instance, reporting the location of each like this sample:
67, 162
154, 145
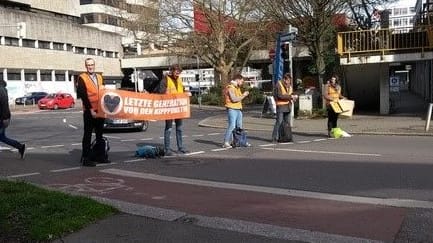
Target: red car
56, 101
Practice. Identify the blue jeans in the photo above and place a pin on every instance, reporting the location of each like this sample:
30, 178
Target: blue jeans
167, 134
234, 118
6, 140
281, 116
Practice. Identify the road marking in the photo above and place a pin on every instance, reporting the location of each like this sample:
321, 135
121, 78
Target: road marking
323, 152
161, 137
213, 134
267, 145
286, 143
72, 126
193, 153
304, 142
320, 139
23, 175
220, 149
198, 135
76, 144
128, 140
106, 164
134, 160
66, 169
53, 146
107, 136
393, 202
146, 139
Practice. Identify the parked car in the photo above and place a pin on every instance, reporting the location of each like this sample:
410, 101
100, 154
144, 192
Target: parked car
30, 98
124, 124
56, 101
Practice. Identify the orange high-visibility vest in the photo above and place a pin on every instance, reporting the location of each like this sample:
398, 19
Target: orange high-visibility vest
228, 101
174, 87
284, 91
333, 93
92, 89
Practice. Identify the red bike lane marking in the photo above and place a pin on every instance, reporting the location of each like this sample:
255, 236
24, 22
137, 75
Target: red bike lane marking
342, 218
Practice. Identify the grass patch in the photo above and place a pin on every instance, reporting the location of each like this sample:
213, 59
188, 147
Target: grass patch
29, 213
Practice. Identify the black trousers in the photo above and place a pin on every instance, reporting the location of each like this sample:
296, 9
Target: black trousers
91, 124
332, 118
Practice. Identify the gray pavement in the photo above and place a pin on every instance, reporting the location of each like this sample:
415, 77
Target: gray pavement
132, 228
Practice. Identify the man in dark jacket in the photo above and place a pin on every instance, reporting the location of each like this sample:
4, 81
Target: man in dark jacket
5, 116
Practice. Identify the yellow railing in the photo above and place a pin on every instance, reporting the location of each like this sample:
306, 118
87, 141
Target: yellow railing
383, 41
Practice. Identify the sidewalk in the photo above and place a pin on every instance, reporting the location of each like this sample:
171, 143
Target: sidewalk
359, 124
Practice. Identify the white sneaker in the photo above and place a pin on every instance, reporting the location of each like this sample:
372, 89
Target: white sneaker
227, 145
248, 145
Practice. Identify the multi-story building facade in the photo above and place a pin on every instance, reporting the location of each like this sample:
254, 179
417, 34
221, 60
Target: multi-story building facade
401, 14
49, 49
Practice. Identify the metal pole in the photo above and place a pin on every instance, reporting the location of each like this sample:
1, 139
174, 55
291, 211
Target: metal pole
200, 77
427, 124
292, 109
135, 80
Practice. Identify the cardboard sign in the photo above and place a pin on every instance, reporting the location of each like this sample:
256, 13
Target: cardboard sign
121, 104
343, 107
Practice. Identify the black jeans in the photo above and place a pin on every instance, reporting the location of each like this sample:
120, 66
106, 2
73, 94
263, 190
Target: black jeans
6, 140
91, 124
332, 118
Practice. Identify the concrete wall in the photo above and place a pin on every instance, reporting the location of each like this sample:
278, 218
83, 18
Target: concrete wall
422, 80
68, 7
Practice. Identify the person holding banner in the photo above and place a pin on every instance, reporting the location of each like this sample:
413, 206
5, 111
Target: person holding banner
332, 92
284, 98
89, 85
233, 97
172, 84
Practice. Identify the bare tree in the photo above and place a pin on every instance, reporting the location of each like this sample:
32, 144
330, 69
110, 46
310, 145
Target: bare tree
314, 20
222, 33
360, 11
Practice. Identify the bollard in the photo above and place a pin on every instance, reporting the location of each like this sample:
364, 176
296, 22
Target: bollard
427, 124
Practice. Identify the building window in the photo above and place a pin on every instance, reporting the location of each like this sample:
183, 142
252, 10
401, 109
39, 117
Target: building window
11, 41
60, 77
14, 76
30, 76
29, 43
68, 47
91, 51
58, 46
44, 45
79, 50
46, 75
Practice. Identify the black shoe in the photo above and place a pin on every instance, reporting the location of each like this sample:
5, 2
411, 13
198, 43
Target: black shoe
183, 151
87, 162
22, 150
106, 161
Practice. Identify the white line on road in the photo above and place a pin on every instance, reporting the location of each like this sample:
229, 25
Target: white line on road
53, 146
193, 153
304, 142
320, 139
393, 202
108, 136
23, 175
198, 135
134, 160
220, 149
213, 134
267, 145
323, 152
72, 126
66, 169
76, 144
128, 140
146, 139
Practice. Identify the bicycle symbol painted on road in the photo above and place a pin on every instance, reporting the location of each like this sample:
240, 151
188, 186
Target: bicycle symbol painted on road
99, 185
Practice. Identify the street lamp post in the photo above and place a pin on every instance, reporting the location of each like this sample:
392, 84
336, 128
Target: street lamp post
200, 76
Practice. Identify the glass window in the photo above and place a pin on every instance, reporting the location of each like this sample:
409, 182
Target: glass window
60, 77
79, 50
44, 45
29, 43
14, 75
11, 41
46, 76
58, 46
30, 76
69, 47
91, 51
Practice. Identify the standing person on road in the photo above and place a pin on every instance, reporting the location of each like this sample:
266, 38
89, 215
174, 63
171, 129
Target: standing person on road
332, 92
233, 97
88, 88
172, 84
5, 116
284, 98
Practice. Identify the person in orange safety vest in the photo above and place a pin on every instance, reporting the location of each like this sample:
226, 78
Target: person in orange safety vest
332, 92
89, 85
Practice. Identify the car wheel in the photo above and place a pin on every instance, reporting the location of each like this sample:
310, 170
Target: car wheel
55, 107
145, 126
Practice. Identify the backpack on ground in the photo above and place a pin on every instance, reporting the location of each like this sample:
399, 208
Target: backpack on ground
239, 138
285, 133
99, 150
149, 151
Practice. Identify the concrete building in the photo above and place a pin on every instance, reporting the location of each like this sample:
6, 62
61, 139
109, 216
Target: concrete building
43, 46
401, 13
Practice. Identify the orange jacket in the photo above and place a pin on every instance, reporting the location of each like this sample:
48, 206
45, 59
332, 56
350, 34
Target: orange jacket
92, 90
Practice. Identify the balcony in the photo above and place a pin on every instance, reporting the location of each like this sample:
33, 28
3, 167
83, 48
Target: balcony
380, 42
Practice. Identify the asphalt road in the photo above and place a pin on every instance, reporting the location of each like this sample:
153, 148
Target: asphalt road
387, 178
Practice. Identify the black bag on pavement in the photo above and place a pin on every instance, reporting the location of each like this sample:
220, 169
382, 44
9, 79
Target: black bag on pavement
99, 150
285, 133
239, 138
